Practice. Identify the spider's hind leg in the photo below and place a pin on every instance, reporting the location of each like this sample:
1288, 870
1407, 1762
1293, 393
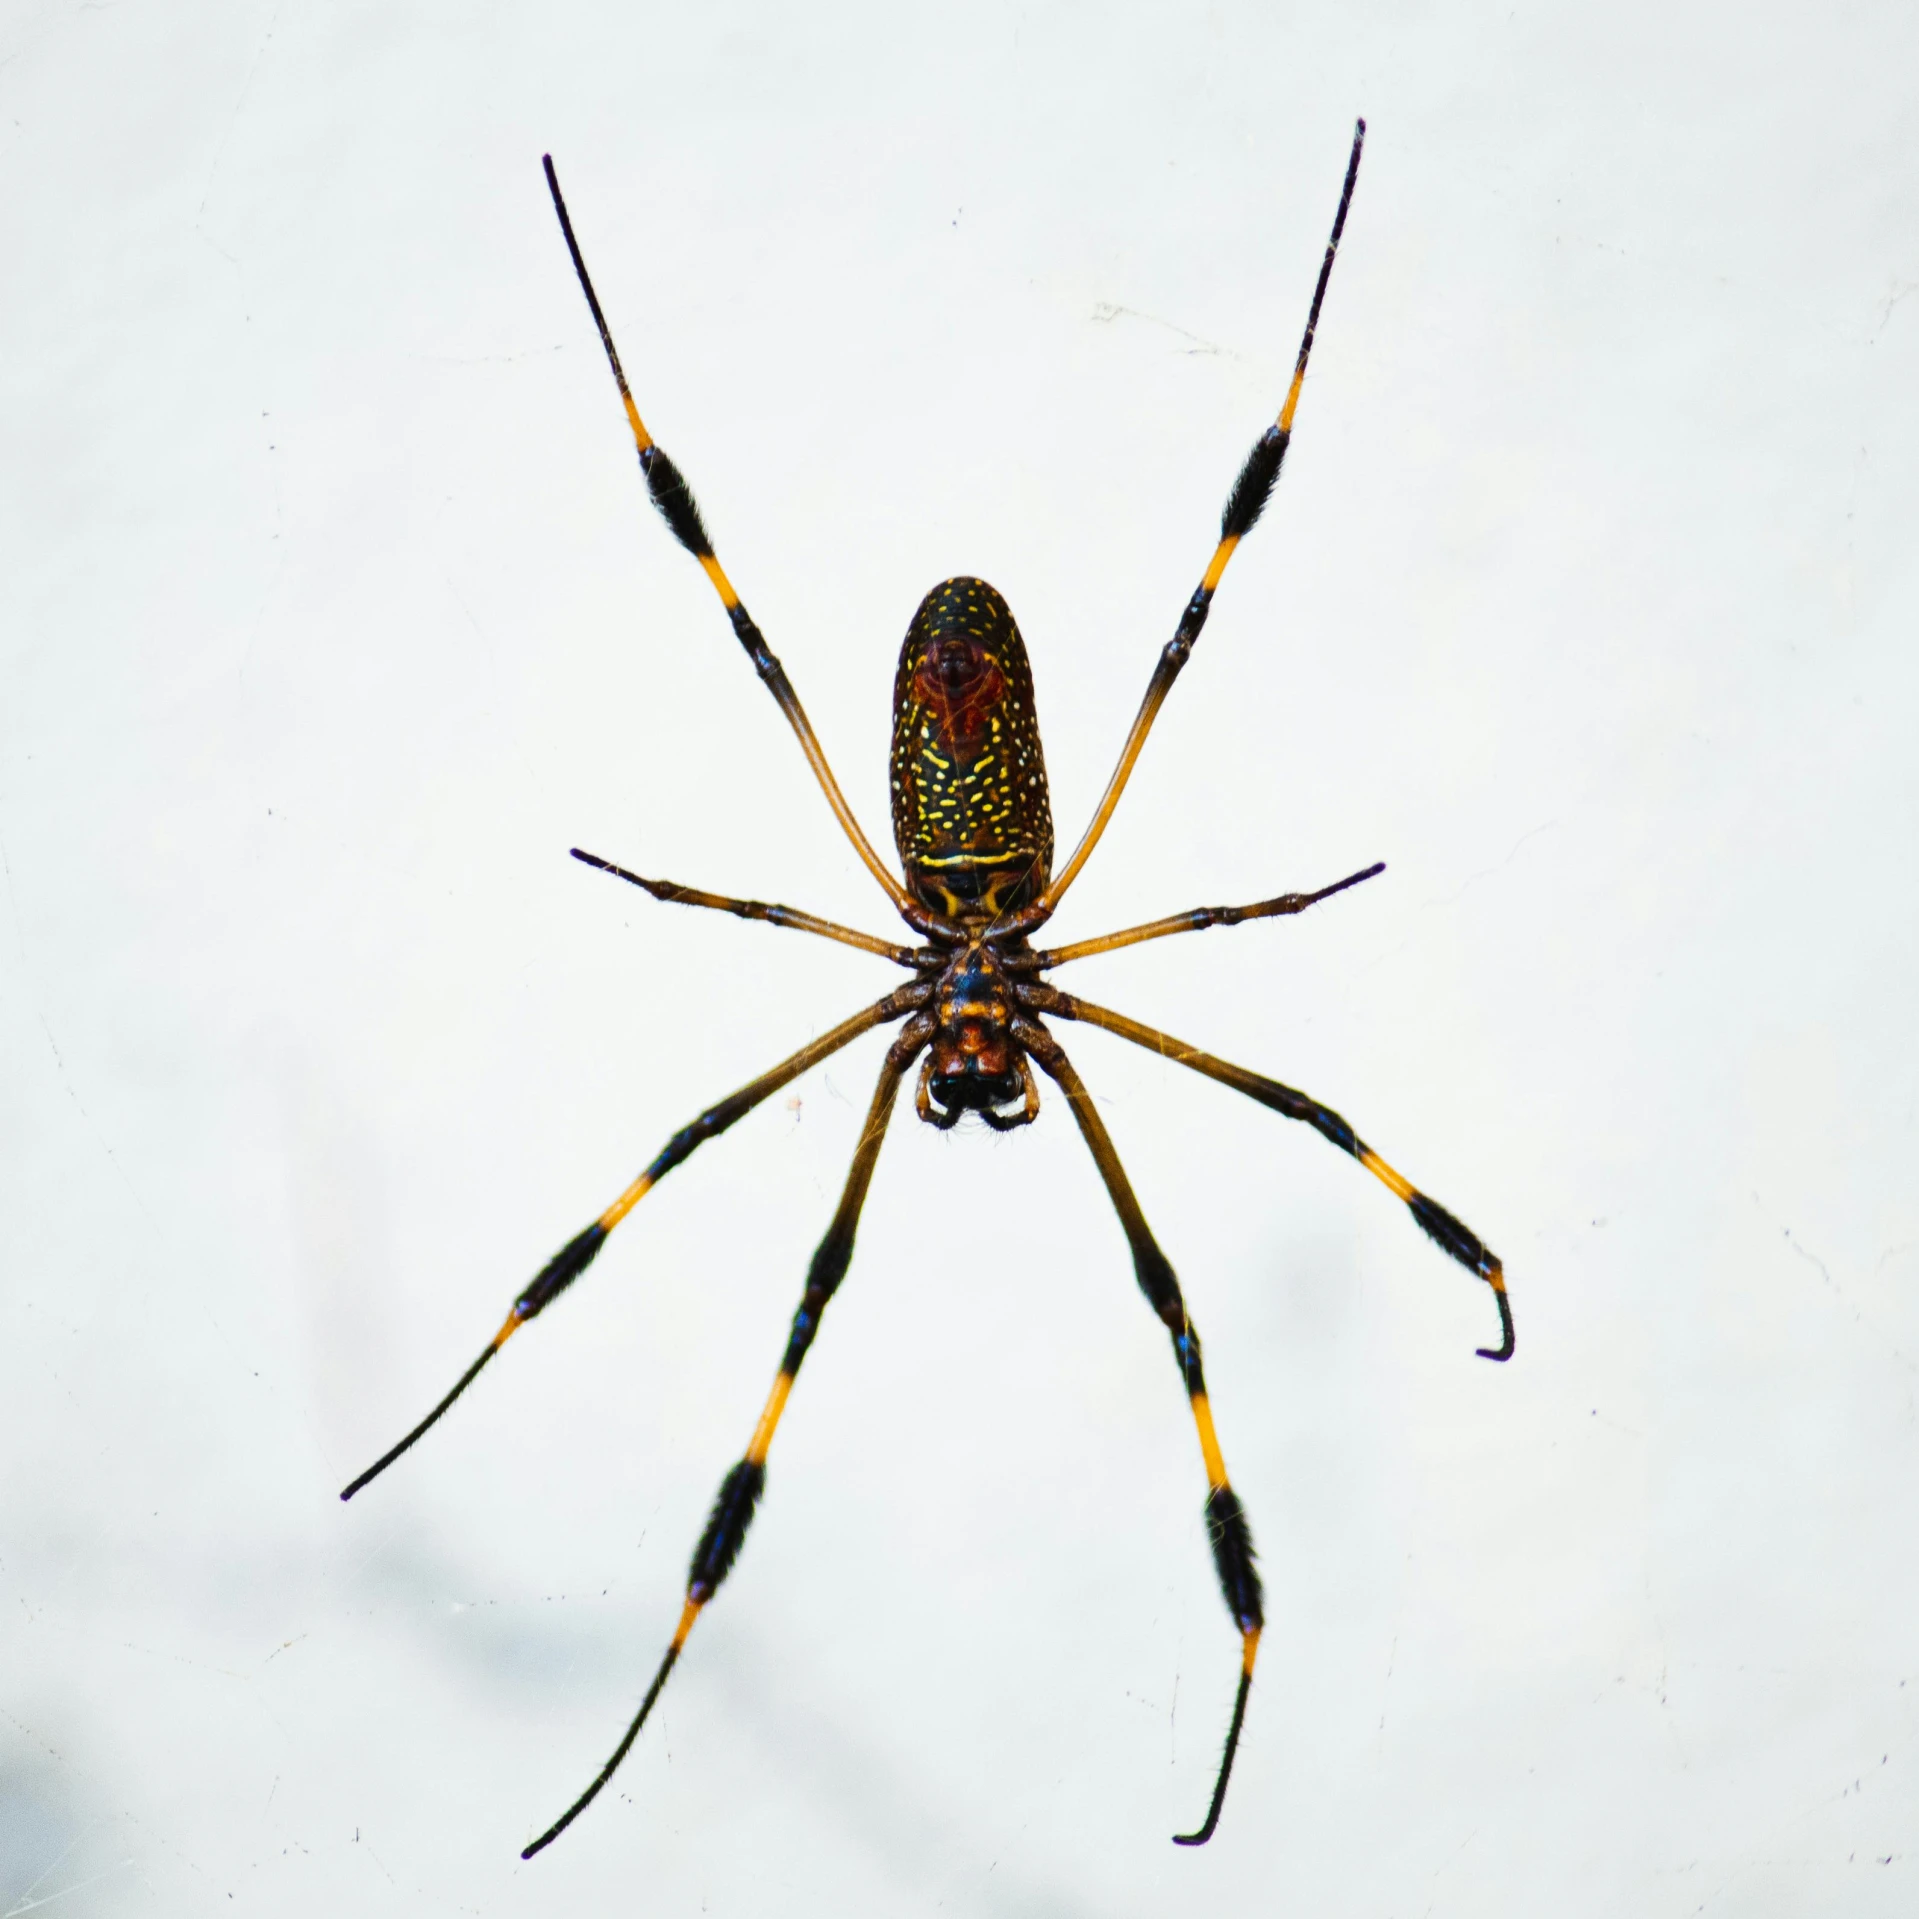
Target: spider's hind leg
739, 1494
579, 1252
1226, 1527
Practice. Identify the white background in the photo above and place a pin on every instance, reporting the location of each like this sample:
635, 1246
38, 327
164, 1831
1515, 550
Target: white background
333, 614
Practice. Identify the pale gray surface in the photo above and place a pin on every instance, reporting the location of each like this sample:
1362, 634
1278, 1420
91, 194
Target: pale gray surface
333, 615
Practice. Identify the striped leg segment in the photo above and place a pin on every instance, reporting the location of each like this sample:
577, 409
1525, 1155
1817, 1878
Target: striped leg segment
1244, 505
1450, 1234
1199, 918
787, 916
1226, 1527
739, 1494
578, 1253
667, 488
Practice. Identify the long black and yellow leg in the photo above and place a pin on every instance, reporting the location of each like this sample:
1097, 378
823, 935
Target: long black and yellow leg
1244, 505
1198, 918
1226, 1526
788, 916
670, 493
578, 1253
1450, 1234
739, 1494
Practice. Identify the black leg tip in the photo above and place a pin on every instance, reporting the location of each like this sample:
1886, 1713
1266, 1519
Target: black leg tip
1211, 1824
1504, 1350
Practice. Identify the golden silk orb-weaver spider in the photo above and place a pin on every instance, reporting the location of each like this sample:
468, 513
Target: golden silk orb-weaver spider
974, 829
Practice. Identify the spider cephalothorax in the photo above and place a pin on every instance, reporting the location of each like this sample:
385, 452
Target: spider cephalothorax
975, 1061
975, 834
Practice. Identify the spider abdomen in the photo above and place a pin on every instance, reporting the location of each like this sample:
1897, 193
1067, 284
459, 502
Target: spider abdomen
971, 815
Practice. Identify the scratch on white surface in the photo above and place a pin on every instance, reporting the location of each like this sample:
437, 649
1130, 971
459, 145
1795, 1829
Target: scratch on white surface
1859, 1314
1458, 893
27, 1902
1666, 1714
1392, 1659
1498, 866
121, 1812
1108, 311
87, 1120
1899, 291
233, 120
489, 359
30, 1904
1432, 1885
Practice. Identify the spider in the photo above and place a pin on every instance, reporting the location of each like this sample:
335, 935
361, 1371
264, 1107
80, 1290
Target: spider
973, 826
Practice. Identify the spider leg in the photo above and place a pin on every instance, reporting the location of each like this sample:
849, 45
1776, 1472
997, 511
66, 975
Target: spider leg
1196, 920
1450, 1234
577, 1254
1243, 508
1226, 1526
674, 499
739, 1493
788, 916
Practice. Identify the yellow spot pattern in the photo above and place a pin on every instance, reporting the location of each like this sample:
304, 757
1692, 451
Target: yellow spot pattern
971, 816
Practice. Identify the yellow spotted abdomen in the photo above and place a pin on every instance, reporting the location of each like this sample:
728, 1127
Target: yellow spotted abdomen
971, 816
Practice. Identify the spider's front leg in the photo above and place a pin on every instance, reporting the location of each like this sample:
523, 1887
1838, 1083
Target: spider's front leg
1195, 919
1244, 505
788, 916
667, 488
